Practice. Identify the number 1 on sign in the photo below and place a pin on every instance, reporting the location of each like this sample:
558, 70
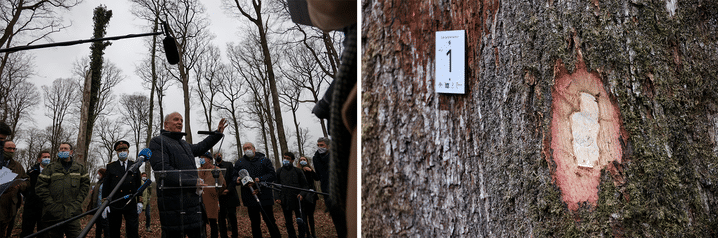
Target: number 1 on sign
449, 54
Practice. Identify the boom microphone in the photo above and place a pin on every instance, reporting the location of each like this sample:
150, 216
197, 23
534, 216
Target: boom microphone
170, 46
246, 179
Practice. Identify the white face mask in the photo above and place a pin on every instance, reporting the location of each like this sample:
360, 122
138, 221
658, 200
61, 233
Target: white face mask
249, 153
322, 150
45, 161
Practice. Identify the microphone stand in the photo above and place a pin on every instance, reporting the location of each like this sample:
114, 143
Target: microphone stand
81, 215
280, 186
105, 203
67, 43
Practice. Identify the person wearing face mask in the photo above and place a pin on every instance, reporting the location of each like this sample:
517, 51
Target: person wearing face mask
62, 186
101, 226
261, 170
210, 196
5, 131
309, 203
321, 163
116, 211
228, 200
289, 198
146, 203
10, 200
33, 205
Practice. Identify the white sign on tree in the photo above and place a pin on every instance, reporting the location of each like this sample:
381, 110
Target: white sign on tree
450, 60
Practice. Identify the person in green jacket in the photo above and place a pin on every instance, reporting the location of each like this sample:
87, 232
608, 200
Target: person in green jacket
62, 187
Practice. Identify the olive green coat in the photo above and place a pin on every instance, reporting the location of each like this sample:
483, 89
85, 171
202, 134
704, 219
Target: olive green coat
62, 191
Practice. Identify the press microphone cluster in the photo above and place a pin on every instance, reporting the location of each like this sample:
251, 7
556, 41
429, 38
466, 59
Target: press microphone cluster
246, 179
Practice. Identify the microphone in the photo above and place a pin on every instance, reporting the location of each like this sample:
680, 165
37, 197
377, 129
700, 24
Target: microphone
144, 155
246, 179
206, 132
139, 190
215, 174
170, 46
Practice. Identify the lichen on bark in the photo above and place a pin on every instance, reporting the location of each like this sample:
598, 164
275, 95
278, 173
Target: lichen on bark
480, 164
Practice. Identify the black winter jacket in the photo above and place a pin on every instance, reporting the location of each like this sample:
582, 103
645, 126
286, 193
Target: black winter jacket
171, 152
231, 199
321, 165
258, 167
290, 176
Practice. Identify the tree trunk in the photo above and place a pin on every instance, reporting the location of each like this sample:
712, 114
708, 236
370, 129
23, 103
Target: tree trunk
148, 169
510, 158
272, 136
81, 149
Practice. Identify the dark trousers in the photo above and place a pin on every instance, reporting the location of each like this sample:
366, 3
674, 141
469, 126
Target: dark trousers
6, 227
131, 221
227, 214
213, 228
102, 229
147, 216
308, 210
290, 222
191, 233
30, 218
70, 229
254, 216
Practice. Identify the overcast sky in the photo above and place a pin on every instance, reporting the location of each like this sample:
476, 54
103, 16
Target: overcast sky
53, 63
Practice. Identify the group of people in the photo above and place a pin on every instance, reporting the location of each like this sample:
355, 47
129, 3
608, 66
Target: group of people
54, 189
189, 199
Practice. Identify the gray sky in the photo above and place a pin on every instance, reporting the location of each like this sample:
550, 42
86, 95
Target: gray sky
53, 63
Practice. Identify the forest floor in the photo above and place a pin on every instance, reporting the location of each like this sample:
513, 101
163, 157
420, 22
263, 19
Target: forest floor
323, 223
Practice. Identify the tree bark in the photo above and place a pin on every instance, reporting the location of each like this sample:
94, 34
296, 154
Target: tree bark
492, 163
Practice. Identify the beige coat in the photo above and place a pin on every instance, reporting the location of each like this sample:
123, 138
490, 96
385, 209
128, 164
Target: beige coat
210, 196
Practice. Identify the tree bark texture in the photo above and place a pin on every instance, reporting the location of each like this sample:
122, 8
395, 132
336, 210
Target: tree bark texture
496, 161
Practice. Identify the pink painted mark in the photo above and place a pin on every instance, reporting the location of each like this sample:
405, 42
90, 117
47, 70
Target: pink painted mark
578, 170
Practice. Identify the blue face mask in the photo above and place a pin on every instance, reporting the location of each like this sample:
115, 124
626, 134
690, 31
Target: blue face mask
45, 161
123, 155
201, 161
286, 162
303, 162
63, 154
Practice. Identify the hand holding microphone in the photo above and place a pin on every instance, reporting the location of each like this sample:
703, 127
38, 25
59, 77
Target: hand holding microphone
246, 180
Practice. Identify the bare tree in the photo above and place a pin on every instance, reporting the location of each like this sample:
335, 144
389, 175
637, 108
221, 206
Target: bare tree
18, 68
290, 96
207, 73
109, 132
111, 76
38, 18
162, 82
252, 69
230, 93
256, 17
302, 71
59, 97
189, 25
34, 140
26, 21
135, 108
20, 101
